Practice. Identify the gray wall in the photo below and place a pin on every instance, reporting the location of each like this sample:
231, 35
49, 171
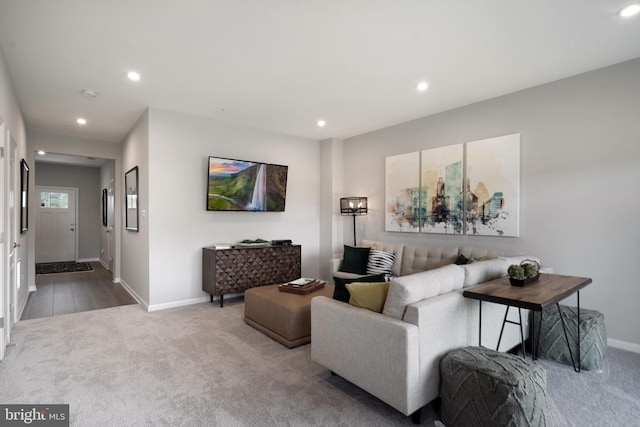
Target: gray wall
11, 118
107, 180
79, 147
176, 218
87, 181
580, 165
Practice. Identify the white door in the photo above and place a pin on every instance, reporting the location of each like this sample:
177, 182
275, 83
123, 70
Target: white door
111, 235
10, 244
55, 224
4, 242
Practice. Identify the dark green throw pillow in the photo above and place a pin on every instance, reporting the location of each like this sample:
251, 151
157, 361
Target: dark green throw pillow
462, 260
355, 260
341, 293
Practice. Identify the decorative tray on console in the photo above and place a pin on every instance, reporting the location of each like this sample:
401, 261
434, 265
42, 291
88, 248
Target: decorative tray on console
522, 282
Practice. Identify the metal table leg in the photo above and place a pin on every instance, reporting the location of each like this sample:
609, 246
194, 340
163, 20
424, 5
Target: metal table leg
520, 326
576, 367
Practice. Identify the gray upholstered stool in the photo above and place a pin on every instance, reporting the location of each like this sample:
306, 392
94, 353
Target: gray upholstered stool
593, 336
483, 387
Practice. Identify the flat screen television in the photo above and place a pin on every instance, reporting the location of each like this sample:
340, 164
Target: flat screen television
240, 185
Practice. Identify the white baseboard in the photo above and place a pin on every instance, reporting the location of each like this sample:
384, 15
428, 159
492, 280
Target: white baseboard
174, 304
133, 293
623, 345
116, 280
88, 259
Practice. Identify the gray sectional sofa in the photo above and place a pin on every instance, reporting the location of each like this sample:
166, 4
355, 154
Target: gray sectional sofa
395, 355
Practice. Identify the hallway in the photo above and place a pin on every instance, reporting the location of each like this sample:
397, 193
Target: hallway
66, 293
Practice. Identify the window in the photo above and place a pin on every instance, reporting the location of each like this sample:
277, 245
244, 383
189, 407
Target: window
54, 200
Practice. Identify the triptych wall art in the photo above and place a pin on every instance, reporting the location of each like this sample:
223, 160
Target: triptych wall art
471, 188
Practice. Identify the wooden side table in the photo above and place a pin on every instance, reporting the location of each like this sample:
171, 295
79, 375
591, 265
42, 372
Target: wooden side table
549, 289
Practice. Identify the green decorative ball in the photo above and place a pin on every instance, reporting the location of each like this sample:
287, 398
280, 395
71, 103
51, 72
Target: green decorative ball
530, 269
516, 271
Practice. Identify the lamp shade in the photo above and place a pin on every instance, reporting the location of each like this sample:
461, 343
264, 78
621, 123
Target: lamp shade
353, 206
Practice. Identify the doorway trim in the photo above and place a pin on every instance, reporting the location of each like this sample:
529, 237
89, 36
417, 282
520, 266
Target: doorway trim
36, 195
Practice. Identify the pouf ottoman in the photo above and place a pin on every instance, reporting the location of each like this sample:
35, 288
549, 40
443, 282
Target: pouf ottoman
283, 316
593, 336
483, 387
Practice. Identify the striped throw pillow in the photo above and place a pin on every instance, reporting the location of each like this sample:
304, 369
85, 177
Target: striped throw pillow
380, 262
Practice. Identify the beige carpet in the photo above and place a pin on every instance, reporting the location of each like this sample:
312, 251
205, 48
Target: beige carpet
203, 366
193, 366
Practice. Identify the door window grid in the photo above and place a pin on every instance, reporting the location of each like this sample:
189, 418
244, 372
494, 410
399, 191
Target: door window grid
54, 200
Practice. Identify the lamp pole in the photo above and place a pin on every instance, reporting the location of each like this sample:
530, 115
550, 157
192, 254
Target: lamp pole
354, 229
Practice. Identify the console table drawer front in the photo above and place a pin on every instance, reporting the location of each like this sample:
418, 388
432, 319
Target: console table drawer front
237, 269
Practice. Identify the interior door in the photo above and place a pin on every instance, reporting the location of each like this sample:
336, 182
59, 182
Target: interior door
9, 280
55, 224
4, 260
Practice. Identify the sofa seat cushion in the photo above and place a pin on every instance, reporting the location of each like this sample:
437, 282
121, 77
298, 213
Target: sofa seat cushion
410, 289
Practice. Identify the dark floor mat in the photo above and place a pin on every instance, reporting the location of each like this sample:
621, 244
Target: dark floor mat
62, 267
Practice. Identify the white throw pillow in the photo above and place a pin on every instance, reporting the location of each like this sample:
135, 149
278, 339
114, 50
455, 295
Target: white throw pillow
410, 289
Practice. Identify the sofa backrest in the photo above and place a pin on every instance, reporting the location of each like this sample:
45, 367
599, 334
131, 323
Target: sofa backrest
480, 253
483, 271
397, 248
412, 288
422, 258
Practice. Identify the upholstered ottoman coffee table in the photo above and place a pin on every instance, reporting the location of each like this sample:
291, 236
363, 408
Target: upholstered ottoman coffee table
283, 316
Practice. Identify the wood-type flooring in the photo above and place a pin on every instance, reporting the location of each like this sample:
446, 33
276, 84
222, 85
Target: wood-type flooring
65, 293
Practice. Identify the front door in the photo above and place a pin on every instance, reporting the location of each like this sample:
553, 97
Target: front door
55, 224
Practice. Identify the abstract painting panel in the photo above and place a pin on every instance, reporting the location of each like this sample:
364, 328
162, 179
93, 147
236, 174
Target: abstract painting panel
492, 188
441, 174
402, 193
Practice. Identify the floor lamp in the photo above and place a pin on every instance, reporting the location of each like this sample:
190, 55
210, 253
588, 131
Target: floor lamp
353, 206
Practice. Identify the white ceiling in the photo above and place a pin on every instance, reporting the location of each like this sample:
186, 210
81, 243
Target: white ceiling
283, 64
68, 159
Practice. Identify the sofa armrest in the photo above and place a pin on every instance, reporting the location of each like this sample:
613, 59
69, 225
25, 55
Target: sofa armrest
375, 352
334, 265
443, 325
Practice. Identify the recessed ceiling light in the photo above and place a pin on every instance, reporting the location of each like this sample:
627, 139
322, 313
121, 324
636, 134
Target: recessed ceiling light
42, 153
133, 76
321, 123
422, 86
630, 10
89, 93
81, 121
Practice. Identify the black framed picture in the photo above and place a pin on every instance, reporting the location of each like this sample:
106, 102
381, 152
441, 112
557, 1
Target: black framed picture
24, 196
131, 199
104, 207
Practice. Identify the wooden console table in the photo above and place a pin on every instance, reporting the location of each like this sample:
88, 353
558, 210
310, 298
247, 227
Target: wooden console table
549, 289
233, 270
